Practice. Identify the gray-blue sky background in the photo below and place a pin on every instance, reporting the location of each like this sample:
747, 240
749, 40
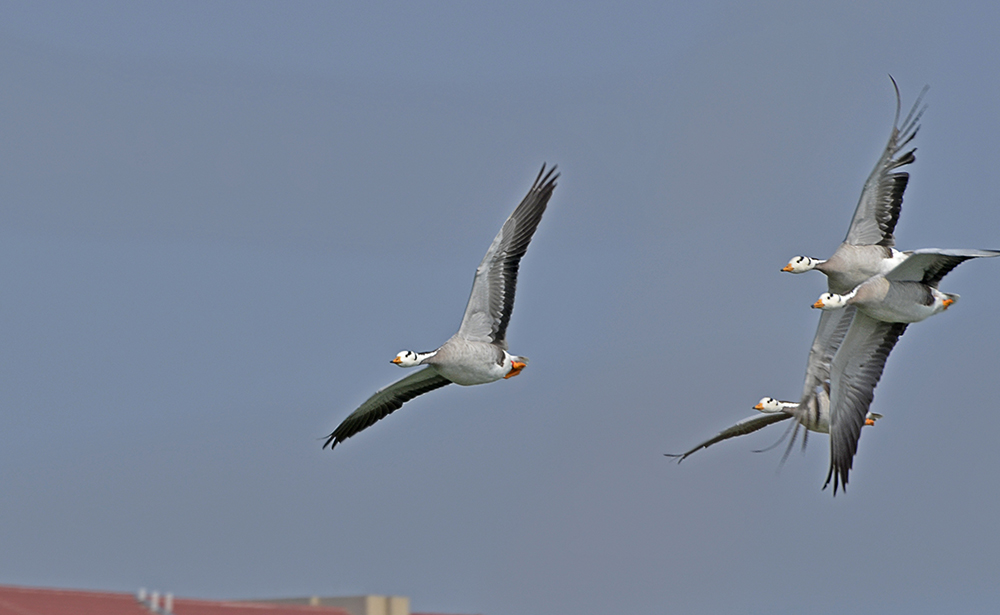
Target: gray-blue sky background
218, 223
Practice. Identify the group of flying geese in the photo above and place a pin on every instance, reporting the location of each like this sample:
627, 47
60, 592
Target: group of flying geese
874, 292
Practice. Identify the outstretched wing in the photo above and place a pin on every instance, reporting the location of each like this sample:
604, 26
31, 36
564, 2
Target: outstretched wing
492, 299
856, 370
830, 332
882, 195
747, 425
385, 402
929, 265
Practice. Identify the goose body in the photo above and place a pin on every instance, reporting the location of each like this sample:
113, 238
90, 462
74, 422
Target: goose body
851, 265
467, 362
899, 301
867, 249
884, 306
909, 292
477, 353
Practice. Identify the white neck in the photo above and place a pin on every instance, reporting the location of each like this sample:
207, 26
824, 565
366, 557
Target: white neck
843, 300
409, 358
423, 356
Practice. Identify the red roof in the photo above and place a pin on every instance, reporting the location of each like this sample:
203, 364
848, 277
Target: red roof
42, 601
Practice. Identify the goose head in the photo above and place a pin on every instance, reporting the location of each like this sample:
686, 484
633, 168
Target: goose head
801, 264
407, 358
768, 404
830, 301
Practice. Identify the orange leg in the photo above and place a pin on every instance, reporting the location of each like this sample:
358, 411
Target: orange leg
515, 369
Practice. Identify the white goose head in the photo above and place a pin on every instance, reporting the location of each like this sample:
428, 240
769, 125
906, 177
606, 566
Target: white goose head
768, 404
831, 301
407, 358
801, 264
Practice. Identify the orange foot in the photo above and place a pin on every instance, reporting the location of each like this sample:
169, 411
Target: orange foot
947, 302
515, 369
869, 421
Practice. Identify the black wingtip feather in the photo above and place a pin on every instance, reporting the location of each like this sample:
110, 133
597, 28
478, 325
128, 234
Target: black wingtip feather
538, 196
353, 424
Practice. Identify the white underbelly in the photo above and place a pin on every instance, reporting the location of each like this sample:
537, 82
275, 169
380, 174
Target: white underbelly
468, 375
912, 312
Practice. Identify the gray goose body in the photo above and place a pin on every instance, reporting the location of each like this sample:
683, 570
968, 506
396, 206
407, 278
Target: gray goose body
884, 306
851, 265
477, 353
867, 248
469, 362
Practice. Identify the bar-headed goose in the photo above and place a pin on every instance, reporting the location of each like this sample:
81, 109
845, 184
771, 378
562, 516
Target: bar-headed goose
775, 411
477, 353
885, 305
812, 409
867, 249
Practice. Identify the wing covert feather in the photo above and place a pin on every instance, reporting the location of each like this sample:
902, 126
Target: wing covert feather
930, 265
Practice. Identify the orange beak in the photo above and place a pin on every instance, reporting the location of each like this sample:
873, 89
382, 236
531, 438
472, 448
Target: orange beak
787, 268
396, 361
759, 407
515, 369
818, 304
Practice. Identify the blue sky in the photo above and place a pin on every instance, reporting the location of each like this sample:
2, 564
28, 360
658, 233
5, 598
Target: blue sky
218, 222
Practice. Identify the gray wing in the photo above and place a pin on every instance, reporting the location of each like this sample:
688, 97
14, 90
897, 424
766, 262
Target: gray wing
747, 425
857, 368
882, 195
492, 299
385, 402
830, 332
929, 265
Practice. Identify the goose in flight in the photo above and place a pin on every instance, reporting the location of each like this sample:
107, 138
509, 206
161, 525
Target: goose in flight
885, 305
867, 249
774, 411
812, 409
477, 353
